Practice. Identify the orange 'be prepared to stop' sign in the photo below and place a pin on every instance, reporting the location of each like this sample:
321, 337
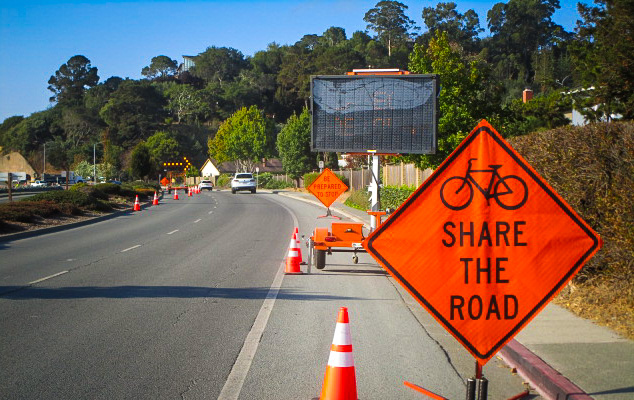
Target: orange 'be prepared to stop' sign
327, 187
484, 244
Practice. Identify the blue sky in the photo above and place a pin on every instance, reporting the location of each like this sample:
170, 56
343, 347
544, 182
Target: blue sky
121, 37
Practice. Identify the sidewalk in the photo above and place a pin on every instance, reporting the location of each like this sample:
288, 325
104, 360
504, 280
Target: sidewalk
563, 356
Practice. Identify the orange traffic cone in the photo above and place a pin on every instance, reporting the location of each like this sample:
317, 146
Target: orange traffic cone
155, 201
137, 206
189, 192
175, 194
292, 260
299, 247
340, 382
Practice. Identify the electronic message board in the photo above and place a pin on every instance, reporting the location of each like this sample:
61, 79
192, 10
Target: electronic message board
385, 113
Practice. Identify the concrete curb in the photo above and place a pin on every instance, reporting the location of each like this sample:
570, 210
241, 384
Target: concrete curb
548, 382
37, 232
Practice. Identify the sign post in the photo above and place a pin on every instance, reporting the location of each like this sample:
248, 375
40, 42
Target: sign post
484, 244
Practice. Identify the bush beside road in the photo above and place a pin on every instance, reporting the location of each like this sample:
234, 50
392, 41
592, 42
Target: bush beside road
81, 201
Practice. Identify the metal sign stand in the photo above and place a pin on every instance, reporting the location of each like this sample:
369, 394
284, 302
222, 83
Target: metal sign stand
328, 214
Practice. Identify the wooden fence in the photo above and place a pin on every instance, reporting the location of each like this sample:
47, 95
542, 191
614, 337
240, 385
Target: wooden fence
391, 175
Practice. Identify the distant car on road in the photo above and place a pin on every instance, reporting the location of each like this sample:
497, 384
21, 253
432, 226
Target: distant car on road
115, 182
243, 181
205, 185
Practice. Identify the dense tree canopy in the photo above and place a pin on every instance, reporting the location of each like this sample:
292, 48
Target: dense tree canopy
482, 76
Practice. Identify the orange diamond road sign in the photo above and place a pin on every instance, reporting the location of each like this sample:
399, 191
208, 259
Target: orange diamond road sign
327, 187
165, 181
484, 243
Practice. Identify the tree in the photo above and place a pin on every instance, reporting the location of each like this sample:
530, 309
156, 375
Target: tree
333, 36
219, 64
390, 23
461, 28
463, 100
72, 79
134, 110
244, 138
84, 169
518, 29
163, 147
293, 146
603, 53
185, 102
160, 67
141, 165
61, 154
30, 133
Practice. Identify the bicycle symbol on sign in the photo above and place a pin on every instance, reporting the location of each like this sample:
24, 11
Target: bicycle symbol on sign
510, 192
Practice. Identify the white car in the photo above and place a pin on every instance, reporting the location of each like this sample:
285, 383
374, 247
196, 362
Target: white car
243, 181
38, 184
205, 185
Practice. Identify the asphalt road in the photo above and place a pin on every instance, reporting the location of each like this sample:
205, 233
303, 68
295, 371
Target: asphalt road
162, 304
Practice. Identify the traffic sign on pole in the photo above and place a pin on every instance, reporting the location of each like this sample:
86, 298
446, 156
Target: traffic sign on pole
484, 244
327, 187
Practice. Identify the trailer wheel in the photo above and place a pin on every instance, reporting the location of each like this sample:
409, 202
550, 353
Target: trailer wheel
320, 259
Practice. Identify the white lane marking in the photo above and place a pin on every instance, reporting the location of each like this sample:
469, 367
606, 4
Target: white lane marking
214, 206
174, 231
198, 220
47, 277
235, 380
233, 385
70, 259
210, 212
130, 248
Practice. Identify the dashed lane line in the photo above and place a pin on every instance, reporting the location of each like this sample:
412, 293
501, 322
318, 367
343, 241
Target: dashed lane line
47, 277
198, 220
131, 248
174, 231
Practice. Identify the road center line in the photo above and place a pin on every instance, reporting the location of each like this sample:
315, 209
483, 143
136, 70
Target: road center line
130, 248
47, 277
210, 212
198, 220
174, 231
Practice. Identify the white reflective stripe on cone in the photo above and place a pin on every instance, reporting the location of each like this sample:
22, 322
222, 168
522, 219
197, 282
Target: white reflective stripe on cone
342, 334
338, 359
293, 253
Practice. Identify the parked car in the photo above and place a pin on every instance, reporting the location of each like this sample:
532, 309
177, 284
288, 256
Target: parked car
243, 181
205, 185
38, 184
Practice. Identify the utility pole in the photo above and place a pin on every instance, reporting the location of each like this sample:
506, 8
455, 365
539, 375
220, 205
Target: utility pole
94, 165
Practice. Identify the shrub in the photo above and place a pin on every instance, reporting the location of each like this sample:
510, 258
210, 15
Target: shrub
275, 184
359, 199
393, 196
74, 197
592, 168
109, 188
223, 180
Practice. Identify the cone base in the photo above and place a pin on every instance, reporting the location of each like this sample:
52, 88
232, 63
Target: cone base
339, 384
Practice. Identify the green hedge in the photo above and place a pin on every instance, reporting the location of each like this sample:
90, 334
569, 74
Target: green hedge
224, 180
391, 197
592, 168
